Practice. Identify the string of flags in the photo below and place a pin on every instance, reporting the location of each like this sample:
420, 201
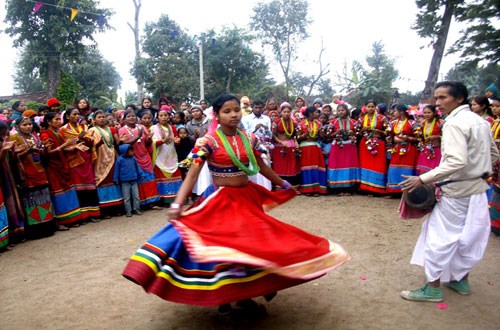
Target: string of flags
73, 11
101, 20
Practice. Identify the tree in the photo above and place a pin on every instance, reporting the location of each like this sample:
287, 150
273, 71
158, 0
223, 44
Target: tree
374, 82
137, 46
171, 61
94, 75
230, 65
50, 32
282, 24
431, 24
474, 76
480, 40
169, 65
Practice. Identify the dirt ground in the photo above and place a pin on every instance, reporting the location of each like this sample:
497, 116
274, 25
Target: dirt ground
73, 280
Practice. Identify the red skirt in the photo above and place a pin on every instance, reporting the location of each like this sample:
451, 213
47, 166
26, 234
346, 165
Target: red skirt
286, 164
228, 248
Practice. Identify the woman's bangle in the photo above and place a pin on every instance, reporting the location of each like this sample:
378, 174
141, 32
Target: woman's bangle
175, 206
285, 185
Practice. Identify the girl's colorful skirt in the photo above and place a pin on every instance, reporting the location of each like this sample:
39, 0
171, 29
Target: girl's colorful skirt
402, 163
313, 169
168, 187
373, 167
286, 162
426, 163
343, 166
83, 179
40, 220
148, 190
495, 210
4, 226
228, 248
109, 193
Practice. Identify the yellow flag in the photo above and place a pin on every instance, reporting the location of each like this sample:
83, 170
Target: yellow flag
74, 12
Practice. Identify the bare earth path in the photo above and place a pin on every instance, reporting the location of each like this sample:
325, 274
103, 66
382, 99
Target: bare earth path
72, 280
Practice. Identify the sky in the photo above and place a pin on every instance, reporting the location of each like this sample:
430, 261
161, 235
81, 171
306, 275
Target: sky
347, 29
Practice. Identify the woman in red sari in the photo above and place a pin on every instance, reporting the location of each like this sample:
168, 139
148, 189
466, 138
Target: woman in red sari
62, 192
105, 140
312, 161
372, 154
138, 136
80, 162
286, 153
227, 248
404, 153
429, 135
34, 191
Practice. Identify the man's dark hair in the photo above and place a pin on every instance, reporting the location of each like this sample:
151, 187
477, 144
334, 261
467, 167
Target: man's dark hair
455, 89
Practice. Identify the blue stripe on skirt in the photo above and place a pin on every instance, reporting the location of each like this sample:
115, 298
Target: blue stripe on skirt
109, 194
372, 178
65, 202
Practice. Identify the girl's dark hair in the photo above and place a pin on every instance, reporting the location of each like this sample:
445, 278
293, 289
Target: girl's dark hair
309, 111
146, 98
401, 107
182, 115
128, 112
327, 106
370, 101
43, 108
131, 106
19, 120
483, 100
432, 108
179, 129
455, 89
67, 113
343, 106
355, 113
15, 105
99, 112
48, 117
221, 99
3, 126
147, 112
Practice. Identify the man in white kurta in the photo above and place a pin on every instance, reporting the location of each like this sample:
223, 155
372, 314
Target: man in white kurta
260, 125
454, 237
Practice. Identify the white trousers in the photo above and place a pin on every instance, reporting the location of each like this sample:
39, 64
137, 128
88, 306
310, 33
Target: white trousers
259, 178
454, 237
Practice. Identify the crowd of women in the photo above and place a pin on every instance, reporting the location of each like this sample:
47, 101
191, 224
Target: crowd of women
58, 167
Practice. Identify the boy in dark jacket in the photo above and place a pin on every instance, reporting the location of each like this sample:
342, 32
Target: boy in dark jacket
127, 174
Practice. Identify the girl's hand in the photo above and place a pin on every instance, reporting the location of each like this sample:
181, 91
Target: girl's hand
177, 140
7, 145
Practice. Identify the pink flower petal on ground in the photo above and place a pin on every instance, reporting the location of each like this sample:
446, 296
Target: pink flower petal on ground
442, 305
490, 283
362, 278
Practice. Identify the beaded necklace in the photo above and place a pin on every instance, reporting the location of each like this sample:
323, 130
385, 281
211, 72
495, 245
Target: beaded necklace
32, 143
253, 168
373, 122
315, 129
496, 129
131, 133
399, 128
77, 130
428, 131
106, 131
288, 134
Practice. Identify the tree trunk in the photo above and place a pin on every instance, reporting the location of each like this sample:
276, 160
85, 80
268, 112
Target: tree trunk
53, 74
439, 47
135, 30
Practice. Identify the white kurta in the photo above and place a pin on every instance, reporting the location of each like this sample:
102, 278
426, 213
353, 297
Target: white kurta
259, 178
454, 237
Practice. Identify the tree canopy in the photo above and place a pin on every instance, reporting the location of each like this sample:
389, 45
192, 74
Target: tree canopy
49, 34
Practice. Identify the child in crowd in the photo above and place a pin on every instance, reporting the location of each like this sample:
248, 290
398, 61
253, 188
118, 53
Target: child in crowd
179, 120
127, 174
183, 145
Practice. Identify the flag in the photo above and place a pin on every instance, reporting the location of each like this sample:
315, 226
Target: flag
37, 7
74, 12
